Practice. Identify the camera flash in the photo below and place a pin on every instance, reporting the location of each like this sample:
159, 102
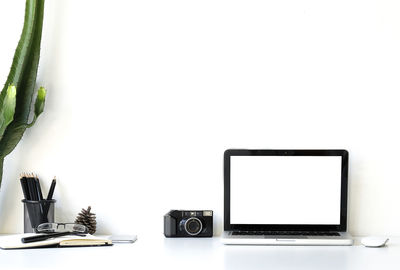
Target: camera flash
207, 213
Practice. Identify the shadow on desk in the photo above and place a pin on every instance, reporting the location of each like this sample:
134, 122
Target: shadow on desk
189, 246
276, 257
305, 257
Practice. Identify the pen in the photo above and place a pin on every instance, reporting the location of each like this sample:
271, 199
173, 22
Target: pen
50, 196
41, 237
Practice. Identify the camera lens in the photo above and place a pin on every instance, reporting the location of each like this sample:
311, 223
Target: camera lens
193, 226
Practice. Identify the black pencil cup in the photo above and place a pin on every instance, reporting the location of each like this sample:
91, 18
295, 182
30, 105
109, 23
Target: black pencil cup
36, 213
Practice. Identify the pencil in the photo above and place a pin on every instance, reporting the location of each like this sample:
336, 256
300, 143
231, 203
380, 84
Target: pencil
32, 189
38, 189
24, 186
51, 190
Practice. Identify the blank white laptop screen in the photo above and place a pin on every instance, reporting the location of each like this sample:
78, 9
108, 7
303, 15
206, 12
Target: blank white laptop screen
285, 189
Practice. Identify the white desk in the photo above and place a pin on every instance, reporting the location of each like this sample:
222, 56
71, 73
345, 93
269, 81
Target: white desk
161, 253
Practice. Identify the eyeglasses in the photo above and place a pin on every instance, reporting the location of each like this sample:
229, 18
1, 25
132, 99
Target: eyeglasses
52, 230
62, 227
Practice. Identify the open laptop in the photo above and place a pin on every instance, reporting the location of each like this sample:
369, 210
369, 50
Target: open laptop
285, 197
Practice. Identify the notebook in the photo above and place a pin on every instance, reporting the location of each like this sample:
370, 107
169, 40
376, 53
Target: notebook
14, 241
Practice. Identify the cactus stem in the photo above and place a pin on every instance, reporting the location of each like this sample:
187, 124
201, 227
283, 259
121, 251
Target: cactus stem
1, 169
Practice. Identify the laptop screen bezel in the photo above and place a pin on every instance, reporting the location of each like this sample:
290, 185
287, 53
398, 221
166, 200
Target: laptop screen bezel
342, 227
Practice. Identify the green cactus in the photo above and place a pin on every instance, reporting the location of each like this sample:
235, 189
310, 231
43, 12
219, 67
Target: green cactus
16, 96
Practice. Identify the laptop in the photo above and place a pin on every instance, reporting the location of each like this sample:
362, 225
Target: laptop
285, 197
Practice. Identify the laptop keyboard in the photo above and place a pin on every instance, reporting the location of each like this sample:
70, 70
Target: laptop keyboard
295, 233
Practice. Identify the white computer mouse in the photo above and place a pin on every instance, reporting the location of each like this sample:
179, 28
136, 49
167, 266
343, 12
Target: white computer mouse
373, 241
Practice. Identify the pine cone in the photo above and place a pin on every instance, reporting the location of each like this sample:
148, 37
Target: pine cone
88, 219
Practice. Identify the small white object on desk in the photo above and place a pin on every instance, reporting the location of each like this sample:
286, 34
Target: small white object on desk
123, 239
372, 241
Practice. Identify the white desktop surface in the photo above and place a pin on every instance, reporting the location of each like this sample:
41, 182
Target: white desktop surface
206, 253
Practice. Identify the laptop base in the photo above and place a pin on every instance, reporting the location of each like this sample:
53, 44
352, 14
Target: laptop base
344, 239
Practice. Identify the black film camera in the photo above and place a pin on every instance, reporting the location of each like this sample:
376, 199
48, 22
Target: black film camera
184, 223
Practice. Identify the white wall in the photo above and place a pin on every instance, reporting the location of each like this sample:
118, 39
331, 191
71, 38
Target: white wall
144, 97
